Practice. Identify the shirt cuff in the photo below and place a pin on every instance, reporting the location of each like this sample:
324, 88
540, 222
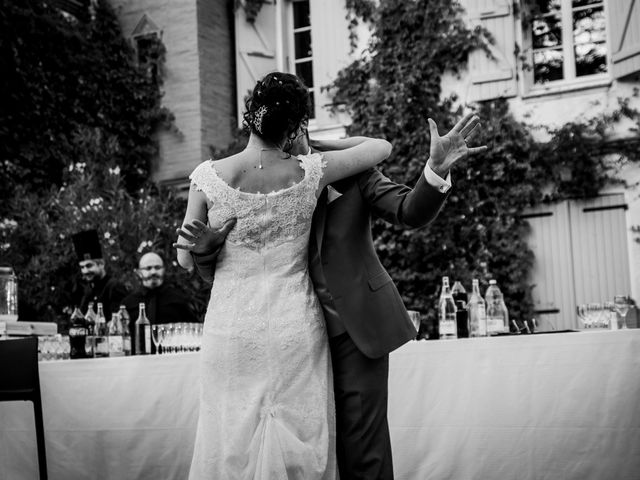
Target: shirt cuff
442, 184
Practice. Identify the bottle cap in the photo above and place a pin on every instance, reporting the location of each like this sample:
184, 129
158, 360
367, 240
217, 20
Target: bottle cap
492, 282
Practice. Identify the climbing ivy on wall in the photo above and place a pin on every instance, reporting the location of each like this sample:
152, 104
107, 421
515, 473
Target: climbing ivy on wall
390, 92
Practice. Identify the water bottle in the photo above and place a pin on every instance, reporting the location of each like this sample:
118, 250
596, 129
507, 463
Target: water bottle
497, 314
447, 324
9, 292
477, 312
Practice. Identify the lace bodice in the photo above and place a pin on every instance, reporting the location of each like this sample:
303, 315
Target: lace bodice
264, 220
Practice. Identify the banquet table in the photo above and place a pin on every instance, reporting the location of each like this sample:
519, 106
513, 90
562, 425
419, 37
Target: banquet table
548, 406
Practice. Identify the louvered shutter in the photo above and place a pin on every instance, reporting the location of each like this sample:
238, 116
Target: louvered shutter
255, 50
624, 27
330, 40
492, 77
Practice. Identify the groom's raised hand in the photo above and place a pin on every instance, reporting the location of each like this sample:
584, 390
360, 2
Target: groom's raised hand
445, 151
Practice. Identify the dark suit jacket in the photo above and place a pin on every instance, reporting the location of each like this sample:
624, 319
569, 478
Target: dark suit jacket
164, 304
363, 293
106, 290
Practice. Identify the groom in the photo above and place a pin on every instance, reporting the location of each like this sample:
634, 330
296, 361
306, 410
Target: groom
366, 318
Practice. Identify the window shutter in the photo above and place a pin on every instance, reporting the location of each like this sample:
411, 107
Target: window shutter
624, 28
255, 50
330, 40
495, 77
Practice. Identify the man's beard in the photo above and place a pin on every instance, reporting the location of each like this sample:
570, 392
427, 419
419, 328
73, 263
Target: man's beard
89, 277
153, 281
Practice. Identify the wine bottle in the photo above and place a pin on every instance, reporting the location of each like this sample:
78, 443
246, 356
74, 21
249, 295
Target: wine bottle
142, 332
459, 295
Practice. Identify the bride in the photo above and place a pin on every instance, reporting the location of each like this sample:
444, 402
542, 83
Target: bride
266, 401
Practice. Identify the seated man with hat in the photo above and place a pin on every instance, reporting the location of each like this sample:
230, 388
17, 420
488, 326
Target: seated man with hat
99, 286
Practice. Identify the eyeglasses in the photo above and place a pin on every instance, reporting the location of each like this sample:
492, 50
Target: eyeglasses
151, 267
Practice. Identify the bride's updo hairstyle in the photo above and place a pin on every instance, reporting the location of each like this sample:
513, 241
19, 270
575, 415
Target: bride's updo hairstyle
277, 107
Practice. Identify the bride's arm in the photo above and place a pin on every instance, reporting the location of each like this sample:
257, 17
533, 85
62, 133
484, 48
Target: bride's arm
196, 210
350, 161
337, 144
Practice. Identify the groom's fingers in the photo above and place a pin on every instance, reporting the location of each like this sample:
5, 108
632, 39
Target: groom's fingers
433, 129
476, 150
228, 225
467, 132
185, 235
183, 246
197, 223
192, 229
471, 124
458, 127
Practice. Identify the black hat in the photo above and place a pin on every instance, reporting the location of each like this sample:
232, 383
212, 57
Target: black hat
87, 245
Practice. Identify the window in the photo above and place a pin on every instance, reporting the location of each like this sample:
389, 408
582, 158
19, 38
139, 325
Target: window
568, 40
148, 51
147, 42
301, 52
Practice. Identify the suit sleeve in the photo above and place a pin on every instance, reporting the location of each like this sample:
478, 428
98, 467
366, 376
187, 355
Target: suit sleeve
399, 204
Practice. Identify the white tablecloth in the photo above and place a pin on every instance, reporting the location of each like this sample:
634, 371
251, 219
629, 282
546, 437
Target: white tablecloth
557, 406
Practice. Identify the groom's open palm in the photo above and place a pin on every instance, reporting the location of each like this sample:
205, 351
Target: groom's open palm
445, 151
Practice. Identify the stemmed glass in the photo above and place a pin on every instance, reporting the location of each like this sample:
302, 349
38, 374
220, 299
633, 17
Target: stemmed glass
621, 305
157, 337
583, 315
168, 338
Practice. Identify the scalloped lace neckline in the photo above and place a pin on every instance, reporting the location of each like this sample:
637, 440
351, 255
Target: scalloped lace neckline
303, 166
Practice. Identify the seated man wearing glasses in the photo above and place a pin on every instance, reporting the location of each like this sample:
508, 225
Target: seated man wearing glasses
164, 303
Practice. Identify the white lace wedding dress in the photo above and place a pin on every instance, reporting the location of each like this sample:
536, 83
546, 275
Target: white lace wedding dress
266, 407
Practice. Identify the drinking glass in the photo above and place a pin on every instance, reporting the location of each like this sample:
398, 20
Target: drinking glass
621, 305
582, 312
168, 340
593, 315
157, 337
609, 319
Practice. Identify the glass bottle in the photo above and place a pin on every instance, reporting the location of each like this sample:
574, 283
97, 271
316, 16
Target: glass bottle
77, 335
497, 314
90, 319
101, 334
459, 295
447, 312
477, 312
9, 292
142, 332
116, 341
126, 330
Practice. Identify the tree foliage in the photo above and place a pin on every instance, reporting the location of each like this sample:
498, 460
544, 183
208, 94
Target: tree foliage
61, 76
37, 237
78, 130
391, 91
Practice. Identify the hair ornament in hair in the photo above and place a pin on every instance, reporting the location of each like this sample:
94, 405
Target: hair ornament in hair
257, 118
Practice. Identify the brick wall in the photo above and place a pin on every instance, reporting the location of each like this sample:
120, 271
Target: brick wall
198, 78
217, 73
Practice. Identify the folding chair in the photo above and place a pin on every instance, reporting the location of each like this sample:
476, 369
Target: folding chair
19, 380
